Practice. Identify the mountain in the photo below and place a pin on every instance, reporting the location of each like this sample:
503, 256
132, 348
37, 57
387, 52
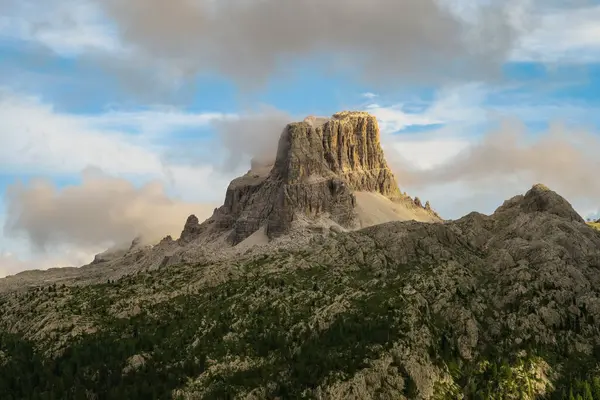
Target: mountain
328, 173
501, 306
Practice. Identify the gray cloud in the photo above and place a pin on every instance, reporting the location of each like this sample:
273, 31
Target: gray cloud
102, 211
251, 135
9, 265
510, 159
250, 40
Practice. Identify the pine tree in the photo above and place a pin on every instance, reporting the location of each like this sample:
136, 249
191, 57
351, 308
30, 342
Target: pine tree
596, 388
587, 392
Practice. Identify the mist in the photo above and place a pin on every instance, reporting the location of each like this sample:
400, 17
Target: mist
510, 159
251, 136
101, 211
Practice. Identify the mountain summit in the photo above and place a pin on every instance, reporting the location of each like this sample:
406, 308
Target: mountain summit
328, 172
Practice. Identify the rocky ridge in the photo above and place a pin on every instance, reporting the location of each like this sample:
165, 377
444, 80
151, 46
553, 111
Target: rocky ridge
487, 306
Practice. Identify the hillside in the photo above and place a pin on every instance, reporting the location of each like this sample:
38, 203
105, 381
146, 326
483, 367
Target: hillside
505, 306
595, 225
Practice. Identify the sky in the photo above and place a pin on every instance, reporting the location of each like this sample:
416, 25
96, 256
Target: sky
120, 119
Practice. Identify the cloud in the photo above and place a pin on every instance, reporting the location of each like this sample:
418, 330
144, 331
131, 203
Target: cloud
103, 210
452, 104
34, 137
156, 121
11, 264
66, 27
423, 151
251, 135
252, 40
504, 162
383, 41
562, 35
471, 147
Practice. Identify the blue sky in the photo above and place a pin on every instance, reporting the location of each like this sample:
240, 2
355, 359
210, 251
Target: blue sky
477, 101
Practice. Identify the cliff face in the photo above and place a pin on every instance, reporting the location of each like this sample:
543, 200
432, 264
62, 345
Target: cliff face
319, 166
347, 147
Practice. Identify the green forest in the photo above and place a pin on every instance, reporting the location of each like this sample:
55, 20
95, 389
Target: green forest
184, 335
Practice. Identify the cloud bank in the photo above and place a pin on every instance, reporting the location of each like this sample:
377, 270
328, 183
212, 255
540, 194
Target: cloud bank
103, 210
251, 136
250, 41
506, 160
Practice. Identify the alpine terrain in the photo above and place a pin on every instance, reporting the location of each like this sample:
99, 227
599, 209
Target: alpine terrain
319, 278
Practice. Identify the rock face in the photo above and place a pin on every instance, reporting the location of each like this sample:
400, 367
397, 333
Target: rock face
541, 199
346, 147
320, 164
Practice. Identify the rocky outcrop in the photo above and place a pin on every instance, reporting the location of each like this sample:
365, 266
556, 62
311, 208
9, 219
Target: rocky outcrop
191, 229
120, 251
109, 255
541, 199
346, 147
320, 164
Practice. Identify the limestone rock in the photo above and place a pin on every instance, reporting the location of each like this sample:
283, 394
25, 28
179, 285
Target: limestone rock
108, 255
191, 229
119, 251
134, 363
319, 166
541, 199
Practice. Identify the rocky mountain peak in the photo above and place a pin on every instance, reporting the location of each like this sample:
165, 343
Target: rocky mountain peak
540, 198
191, 229
346, 146
325, 168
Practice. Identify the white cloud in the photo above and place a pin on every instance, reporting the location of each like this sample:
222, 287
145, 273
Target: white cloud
394, 118
453, 104
156, 121
16, 255
11, 264
66, 27
569, 35
36, 138
460, 175
428, 150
